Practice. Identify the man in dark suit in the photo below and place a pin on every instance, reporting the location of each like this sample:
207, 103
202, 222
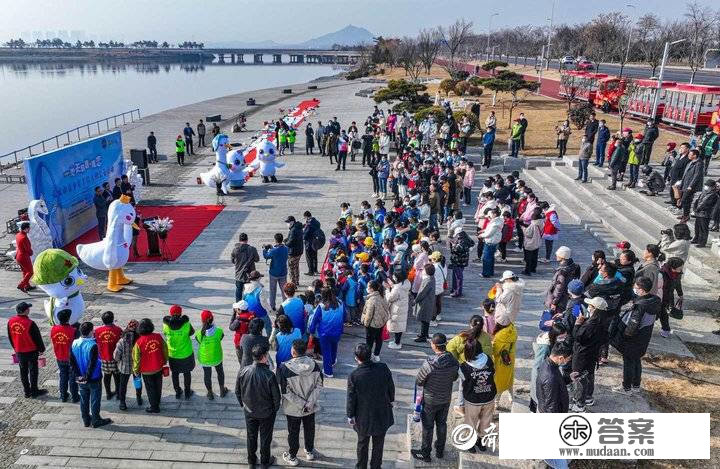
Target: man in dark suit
101, 211
691, 182
370, 396
677, 170
309, 230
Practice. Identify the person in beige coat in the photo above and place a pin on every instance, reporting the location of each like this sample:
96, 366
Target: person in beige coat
397, 295
374, 316
508, 297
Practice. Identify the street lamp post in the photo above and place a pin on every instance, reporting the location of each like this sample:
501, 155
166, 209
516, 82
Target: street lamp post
627, 50
660, 76
487, 48
547, 49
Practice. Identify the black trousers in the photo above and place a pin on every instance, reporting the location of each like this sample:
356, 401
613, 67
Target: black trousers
153, 153
502, 247
153, 388
311, 258
308, 424
320, 146
207, 376
264, 429
466, 194
686, 202
175, 376
398, 337
548, 248
632, 371
189, 145
28, 362
367, 157
122, 389
373, 336
363, 446
434, 417
201, 140
702, 229
487, 155
424, 329
520, 234
531, 260
341, 159
562, 146
181, 158
108, 378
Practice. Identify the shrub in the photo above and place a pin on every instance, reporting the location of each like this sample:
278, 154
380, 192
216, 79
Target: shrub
579, 114
437, 111
476, 81
475, 90
461, 88
458, 115
447, 85
459, 75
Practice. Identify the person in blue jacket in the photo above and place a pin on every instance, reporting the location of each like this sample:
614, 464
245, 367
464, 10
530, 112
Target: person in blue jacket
85, 362
252, 294
278, 256
294, 308
488, 142
349, 294
327, 325
603, 136
282, 337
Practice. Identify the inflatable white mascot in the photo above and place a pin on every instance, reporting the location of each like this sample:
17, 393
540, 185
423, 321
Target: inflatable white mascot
57, 274
265, 162
112, 253
220, 173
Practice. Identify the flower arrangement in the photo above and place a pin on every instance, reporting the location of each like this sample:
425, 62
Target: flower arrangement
161, 226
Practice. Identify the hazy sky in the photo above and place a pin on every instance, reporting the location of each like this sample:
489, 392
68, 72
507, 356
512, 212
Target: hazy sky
288, 20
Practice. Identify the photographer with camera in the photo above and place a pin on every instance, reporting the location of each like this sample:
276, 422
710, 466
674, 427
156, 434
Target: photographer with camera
278, 256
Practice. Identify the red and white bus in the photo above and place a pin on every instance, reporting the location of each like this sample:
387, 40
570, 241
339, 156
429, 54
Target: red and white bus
690, 106
641, 102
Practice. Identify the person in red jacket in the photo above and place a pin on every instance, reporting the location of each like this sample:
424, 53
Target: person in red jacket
62, 336
27, 342
507, 234
149, 356
107, 337
23, 256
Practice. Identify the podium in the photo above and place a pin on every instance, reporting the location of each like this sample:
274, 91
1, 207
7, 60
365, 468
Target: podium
153, 239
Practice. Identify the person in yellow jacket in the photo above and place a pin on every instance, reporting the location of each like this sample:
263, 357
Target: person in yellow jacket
516, 138
291, 137
456, 346
634, 154
503, 356
282, 139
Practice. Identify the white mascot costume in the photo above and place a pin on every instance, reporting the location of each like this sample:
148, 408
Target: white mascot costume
236, 165
58, 275
265, 162
39, 234
220, 173
112, 253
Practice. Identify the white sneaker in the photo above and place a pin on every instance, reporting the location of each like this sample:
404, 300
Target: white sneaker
327, 375
376, 358
665, 334
574, 408
438, 318
310, 455
544, 261
434, 323
289, 460
394, 346
622, 390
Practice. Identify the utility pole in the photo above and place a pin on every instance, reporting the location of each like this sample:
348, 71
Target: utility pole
627, 50
540, 70
487, 47
547, 49
660, 76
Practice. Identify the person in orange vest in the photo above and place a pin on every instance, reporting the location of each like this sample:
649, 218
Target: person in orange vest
62, 336
23, 256
149, 356
27, 342
85, 361
108, 335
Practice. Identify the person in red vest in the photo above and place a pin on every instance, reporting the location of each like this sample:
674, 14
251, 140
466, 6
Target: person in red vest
107, 336
149, 356
551, 229
27, 342
23, 256
62, 336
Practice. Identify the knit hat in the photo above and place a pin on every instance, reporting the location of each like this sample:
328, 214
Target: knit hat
576, 287
564, 252
175, 310
623, 245
52, 266
435, 256
368, 242
206, 315
242, 305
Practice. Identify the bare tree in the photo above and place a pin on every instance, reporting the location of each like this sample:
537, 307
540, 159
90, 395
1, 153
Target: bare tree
650, 40
453, 38
428, 44
701, 24
602, 37
408, 57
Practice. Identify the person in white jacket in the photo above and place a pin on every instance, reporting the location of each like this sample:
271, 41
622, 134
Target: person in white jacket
438, 260
397, 295
384, 142
491, 236
508, 299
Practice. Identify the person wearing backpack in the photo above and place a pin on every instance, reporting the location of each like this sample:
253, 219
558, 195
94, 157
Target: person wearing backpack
312, 235
210, 353
459, 257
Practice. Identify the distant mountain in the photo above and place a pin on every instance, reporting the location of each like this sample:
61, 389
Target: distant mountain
348, 36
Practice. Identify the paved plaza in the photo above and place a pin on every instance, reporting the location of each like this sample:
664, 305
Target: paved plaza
46, 432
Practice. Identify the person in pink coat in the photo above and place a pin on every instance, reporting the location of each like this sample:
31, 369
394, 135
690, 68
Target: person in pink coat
421, 254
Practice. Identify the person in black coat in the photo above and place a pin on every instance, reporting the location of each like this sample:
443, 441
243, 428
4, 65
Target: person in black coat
678, 169
309, 230
152, 147
591, 128
294, 242
691, 182
550, 385
589, 335
632, 337
370, 397
611, 287
651, 134
101, 211
703, 207
309, 139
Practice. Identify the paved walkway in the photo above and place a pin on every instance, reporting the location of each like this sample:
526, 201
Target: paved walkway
47, 432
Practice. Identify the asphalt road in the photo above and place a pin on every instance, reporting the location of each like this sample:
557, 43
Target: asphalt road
702, 77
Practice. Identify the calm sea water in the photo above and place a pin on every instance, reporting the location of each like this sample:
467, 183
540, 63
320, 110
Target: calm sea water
39, 101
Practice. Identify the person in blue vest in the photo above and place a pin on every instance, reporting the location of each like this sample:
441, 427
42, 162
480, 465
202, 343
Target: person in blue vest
85, 361
253, 295
294, 308
282, 337
326, 324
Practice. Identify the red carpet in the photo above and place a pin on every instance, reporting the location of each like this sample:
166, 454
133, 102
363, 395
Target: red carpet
189, 222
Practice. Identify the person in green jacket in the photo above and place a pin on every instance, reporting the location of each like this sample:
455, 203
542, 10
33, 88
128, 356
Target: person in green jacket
292, 136
178, 332
210, 353
180, 150
456, 346
282, 139
516, 137
634, 154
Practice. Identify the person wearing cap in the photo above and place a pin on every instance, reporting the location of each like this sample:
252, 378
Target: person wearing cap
556, 296
180, 150
178, 334
123, 356
244, 258
294, 243
210, 353
277, 272
436, 377
62, 336
702, 207
588, 336
85, 361
23, 256
28, 344
149, 356
253, 295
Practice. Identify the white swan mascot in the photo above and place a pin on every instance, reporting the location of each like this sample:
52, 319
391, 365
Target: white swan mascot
220, 173
58, 275
236, 165
112, 253
265, 162
136, 180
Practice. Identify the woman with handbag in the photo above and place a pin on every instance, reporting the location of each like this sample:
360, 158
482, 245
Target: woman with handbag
671, 273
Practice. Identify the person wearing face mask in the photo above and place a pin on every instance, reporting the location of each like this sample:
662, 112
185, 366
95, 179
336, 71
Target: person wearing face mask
671, 273
633, 334
589, 335
491, 236
691, 182
383, 173
294, 243
702, 207
603, 136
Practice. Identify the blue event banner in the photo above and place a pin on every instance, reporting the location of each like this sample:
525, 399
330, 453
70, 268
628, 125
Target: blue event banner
66, 178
